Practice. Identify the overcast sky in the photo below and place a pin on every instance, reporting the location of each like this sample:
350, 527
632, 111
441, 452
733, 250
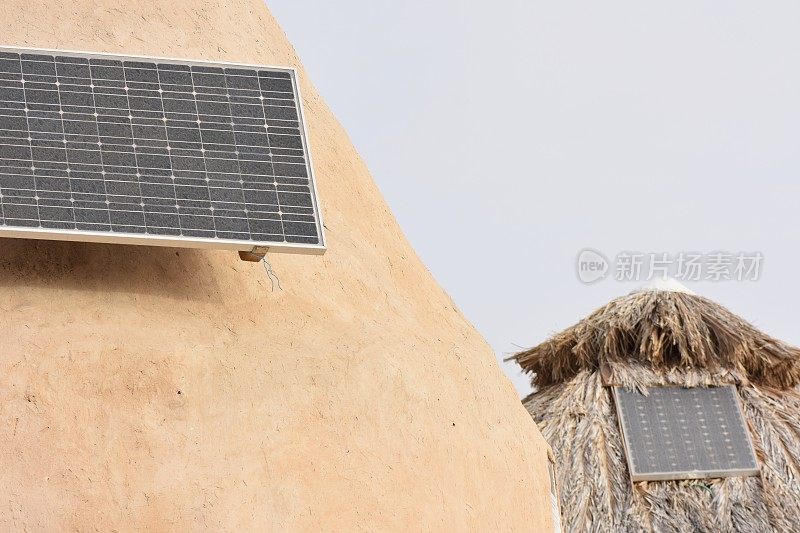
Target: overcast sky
508, 136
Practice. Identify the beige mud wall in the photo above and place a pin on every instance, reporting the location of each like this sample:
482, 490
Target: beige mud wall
172, 390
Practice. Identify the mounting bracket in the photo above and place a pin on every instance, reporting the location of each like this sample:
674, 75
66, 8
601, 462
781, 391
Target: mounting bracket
255, 255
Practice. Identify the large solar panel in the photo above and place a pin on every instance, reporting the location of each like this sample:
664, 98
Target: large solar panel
153, 151
680, 433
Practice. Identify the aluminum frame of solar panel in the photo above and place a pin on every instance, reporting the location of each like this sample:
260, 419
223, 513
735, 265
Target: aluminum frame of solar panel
675, 422
181, 240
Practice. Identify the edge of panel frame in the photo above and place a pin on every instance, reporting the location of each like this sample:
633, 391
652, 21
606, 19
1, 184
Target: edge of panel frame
148, 239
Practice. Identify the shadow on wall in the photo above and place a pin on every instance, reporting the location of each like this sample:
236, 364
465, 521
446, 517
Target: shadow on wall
171, 272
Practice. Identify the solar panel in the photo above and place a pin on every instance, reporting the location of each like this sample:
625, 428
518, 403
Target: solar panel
133, 150
680, 433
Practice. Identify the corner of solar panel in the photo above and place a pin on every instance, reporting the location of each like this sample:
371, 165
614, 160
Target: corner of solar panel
130, 147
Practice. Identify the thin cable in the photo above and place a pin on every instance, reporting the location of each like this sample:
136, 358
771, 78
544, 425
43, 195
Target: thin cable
273, 277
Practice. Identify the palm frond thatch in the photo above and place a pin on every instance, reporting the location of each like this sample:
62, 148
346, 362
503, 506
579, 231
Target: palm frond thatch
664, 330
657, 338
579, 421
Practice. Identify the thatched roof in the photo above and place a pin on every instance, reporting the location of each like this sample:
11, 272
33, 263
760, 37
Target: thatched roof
578, 419
665, 337
664, 330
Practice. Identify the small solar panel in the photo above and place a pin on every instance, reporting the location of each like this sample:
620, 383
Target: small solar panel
684, 433
154, 151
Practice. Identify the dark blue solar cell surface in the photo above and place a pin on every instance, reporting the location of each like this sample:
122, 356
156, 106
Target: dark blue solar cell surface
144, 147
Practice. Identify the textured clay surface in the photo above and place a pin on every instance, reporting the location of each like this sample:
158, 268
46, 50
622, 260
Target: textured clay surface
170, 389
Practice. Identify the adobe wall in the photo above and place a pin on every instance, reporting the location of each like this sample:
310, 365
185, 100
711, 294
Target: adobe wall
171, 389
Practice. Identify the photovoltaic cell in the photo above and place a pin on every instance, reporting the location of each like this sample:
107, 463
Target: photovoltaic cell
684, 433
119, 149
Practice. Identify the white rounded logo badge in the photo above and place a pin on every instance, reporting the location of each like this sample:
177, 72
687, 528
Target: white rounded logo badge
591, 265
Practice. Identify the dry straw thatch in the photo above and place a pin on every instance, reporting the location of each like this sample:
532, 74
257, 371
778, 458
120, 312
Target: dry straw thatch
653, 338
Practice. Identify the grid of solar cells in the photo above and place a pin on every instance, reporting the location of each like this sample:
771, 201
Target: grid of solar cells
149, 148
680, 433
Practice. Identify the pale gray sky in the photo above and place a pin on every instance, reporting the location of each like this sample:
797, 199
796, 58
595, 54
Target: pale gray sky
507, 136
